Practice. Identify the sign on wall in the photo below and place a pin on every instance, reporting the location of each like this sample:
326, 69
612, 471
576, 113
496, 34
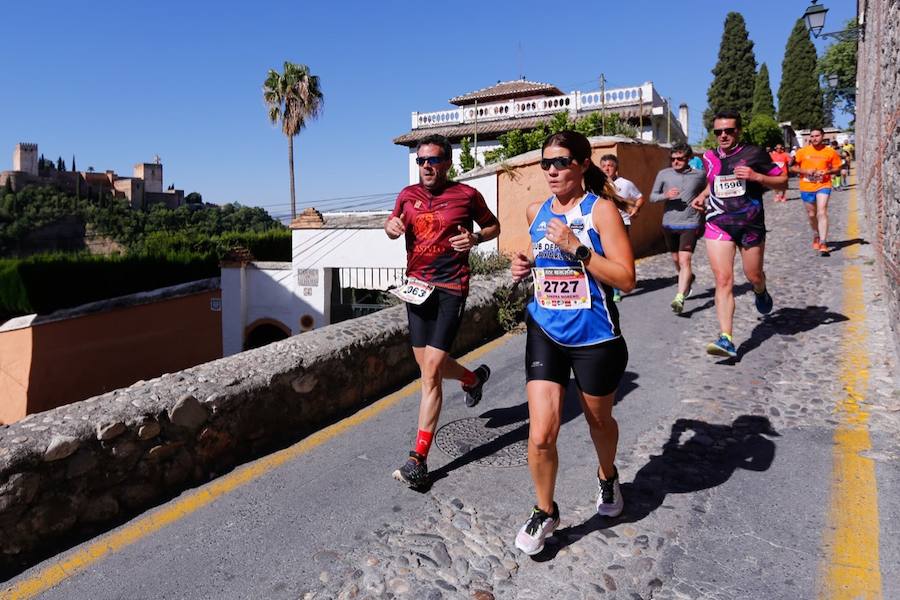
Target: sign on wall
308, 277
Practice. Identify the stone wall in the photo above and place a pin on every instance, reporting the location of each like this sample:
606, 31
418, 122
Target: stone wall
75, 470
878, 138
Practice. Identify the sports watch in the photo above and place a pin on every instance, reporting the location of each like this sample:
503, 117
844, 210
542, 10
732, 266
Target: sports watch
582, 253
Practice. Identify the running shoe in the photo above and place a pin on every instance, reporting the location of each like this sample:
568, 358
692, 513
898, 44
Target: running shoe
690, 289
823, 248
763, 302
473, 394
536, 530
815, 244
414, 471
678, 304
722, 347
609, 496
617, 295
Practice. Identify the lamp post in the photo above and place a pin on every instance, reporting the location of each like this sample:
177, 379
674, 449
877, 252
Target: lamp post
814, 19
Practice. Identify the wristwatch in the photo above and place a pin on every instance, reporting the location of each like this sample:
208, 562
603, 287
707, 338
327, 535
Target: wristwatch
479, 237
582, 253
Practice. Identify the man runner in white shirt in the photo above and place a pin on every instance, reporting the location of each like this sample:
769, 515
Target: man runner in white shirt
627, 191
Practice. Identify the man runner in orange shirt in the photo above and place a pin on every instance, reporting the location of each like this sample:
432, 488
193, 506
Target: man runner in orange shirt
815, 163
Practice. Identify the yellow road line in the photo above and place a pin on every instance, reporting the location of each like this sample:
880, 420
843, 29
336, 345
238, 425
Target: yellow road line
852, 568
195, 500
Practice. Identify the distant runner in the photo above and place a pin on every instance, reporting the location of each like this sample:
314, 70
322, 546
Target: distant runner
627, 191
737, 175
580, 251
436, 217
815, 163
783, 160
682, 224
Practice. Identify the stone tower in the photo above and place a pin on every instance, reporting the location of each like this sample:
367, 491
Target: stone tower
25, 158
152, 174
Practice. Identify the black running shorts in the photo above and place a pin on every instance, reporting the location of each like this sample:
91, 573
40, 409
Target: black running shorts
435, 322
598, 368
682, 240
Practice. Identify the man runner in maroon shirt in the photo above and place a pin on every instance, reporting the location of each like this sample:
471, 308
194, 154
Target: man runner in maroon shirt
436, 216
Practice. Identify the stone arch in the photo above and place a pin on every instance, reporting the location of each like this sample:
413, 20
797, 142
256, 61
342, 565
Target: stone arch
263, 332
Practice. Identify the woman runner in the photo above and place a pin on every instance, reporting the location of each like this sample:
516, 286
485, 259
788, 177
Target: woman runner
580, 253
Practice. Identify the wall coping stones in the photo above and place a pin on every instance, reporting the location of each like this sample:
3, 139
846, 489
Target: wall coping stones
131, 448
170, 292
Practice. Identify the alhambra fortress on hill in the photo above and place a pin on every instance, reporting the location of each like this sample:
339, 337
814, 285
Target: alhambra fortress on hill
142, 190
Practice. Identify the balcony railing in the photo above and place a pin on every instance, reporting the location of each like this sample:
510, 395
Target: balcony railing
573, 102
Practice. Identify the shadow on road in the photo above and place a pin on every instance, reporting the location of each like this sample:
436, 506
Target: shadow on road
739, 290
505, 417
841, 244
702, 461
645, 286
788, 321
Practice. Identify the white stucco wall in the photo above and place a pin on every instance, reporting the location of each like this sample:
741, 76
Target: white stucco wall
269, 291
483, 147
487, 185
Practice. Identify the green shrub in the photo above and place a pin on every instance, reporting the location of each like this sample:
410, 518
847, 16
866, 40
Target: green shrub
49, 282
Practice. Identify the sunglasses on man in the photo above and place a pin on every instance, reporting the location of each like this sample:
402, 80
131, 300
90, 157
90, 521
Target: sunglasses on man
678, 158
431, 160
560, 162
727, 131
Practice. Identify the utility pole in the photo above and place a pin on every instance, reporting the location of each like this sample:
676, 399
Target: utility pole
668, 120
475, 145
641, 116
602, 104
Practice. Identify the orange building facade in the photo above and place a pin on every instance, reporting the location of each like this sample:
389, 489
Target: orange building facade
72, 355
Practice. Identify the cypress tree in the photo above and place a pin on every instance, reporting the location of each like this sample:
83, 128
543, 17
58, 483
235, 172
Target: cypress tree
763, 103
799, 95
73, 163
734, 73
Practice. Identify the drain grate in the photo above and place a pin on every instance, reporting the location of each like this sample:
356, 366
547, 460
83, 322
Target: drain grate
503, 446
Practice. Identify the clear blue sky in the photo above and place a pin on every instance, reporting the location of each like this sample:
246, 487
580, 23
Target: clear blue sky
115, 83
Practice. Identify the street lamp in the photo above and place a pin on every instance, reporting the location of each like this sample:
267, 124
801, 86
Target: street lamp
832, 81
815, 18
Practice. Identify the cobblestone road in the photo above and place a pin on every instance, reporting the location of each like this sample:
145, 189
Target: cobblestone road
731, 417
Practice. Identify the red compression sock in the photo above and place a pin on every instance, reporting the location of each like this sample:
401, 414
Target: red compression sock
469, 378
423, 442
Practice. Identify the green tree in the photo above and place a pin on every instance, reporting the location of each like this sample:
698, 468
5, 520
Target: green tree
193, 198
763, 130
292, 98
799, 95
763, 102
840, 59
73, 162
466, 158
734, 73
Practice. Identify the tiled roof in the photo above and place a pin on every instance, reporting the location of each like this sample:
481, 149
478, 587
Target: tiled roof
490, 130
505, 90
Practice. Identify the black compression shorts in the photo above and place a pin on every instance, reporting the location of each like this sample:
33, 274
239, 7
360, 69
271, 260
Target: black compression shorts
682, 240
598, 368
435, 322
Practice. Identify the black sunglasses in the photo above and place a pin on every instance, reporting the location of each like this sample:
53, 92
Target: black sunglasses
431, 160
726, 131
681, 158
560, 162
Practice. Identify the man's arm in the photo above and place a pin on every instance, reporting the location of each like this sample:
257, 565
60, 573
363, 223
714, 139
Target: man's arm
656, 194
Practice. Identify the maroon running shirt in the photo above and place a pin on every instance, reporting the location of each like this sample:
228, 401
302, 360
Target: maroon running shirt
430, 223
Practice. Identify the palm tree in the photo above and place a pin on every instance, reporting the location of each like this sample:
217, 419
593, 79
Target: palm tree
292, 97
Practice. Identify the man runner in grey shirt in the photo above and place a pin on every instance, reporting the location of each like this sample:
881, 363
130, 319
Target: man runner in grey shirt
682, 224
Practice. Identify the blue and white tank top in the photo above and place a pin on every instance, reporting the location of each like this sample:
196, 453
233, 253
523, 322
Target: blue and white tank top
581, 327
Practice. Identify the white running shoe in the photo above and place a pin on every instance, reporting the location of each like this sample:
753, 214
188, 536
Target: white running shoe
609, 497
536, 530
